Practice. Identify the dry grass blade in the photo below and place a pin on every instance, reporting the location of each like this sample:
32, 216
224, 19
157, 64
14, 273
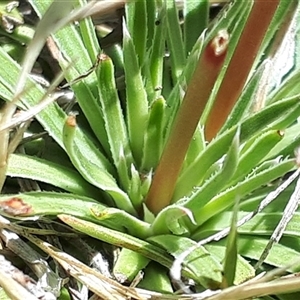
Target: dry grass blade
5, 118
17, 285
287, 215
50, 97
48, 279
248, 290
98, 283
13, 289
99, 9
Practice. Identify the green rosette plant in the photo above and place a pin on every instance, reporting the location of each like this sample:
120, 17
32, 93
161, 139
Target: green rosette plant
184, 129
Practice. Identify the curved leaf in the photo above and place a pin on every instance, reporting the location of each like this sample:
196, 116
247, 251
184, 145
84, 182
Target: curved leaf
206, 267
93, 173
35, 168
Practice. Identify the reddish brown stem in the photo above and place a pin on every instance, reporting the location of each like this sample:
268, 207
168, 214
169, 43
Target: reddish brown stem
240, 65
184, 126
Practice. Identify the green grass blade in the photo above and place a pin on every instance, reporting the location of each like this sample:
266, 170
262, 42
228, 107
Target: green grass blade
52, 117
123, 220
252, 247
288, 89
288, 144
276, 116
243, 106
261, 225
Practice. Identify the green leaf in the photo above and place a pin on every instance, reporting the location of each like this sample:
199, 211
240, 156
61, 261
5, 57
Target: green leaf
194, 174
262, 225
231, 253
25, 166
36, 204
225, 199
125, 241
157, 277
279, 256
93, 173
289, 143
217, 181
244, 104
154, 135
254, 152
156, 59
174, 40
136, 13
206, 267
171, 220
195, 21
276, 116
72, 49
114, 120
244, 270
136, 98
288, 88
128, 265
122, 220
52, 203
52, 117
88, 35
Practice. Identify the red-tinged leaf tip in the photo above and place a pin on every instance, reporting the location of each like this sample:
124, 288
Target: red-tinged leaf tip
71, 121
217, 47
15, 207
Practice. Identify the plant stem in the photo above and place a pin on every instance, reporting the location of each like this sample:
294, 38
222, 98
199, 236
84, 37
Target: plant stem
184, 126
240, 64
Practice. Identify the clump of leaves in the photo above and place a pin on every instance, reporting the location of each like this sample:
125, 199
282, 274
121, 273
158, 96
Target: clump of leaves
182, 135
